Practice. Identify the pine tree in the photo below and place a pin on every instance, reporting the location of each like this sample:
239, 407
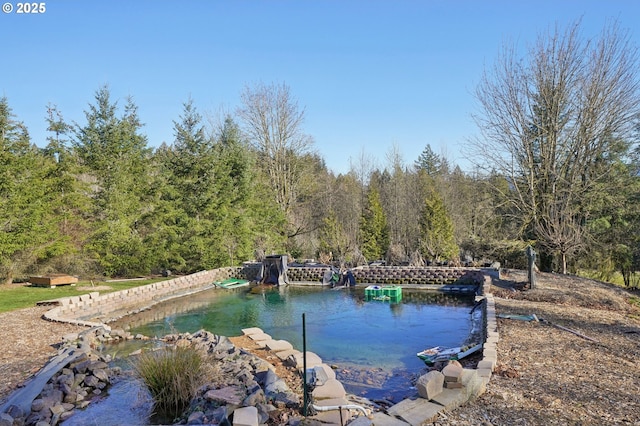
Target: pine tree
333, 238
28, 230
116, 155
431, 162
374, 233
69, 193
436, 229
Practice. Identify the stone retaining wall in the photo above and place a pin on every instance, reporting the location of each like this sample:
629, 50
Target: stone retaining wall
93, 308
395, 275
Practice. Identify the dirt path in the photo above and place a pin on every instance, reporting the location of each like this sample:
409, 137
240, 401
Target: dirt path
27, 343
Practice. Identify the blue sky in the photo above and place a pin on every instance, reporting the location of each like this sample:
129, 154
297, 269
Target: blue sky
370, 74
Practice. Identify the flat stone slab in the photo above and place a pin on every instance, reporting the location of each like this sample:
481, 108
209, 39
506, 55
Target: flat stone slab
278, 345
361, 421
245, 416
416, 411
259, 337
286, 354
251, 330
331, 389
451, 399
328, 371
227, 395
297, 360
381, 419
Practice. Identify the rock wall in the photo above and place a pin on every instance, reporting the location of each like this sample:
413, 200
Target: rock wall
94, 309
395, 275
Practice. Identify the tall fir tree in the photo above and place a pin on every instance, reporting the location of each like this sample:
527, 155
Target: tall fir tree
436, 230
333, 238
116, 154
29, 233
374, 232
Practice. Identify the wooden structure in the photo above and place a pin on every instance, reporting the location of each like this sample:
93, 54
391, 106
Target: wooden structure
53, 280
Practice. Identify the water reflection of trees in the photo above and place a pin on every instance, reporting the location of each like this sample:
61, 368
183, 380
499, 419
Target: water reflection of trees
170, 309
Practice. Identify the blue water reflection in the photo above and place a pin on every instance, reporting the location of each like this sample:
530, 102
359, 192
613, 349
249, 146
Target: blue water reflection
341, 327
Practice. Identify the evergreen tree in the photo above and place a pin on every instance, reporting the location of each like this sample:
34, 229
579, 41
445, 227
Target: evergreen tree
436, 229
116, 155
165, 220
192, 174
374, 233
332, 237
29, 232
69, 193
432, 163
249, 222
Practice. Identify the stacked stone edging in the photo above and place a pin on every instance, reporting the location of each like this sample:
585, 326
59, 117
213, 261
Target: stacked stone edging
415, 275
94, 309
307, 273
395, 275
445, 391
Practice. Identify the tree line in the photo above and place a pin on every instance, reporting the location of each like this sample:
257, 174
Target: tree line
555, 166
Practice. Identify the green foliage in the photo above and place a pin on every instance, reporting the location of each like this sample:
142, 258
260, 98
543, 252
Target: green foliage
436, 230
97, 201
173, 376
432, 163
332, 236
29, 229
374, 233
116, 154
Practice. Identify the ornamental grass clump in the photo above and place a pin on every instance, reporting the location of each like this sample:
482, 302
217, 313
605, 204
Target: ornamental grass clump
173, 376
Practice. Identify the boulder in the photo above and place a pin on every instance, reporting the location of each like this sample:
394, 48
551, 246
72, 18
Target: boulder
430, 384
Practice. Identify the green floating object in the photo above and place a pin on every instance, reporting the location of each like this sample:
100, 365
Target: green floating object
387, 293
231, 283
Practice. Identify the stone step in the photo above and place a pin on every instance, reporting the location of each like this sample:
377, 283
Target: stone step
251, 330
331, 389
416, 411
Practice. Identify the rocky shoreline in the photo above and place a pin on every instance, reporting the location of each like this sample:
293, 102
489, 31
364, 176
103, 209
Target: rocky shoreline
80, 374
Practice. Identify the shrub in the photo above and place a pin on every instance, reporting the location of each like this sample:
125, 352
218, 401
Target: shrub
173, 376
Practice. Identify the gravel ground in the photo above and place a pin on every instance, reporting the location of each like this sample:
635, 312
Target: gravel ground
550, 376
545, 375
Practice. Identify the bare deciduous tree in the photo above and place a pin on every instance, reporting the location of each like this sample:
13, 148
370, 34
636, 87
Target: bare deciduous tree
550, 123
273, 122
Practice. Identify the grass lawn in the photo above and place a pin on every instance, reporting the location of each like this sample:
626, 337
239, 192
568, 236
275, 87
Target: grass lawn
613, 278
18, 296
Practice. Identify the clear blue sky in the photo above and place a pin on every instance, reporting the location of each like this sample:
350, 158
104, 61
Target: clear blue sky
369, 74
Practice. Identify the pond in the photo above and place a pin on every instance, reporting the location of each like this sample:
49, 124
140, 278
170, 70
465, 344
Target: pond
372, 344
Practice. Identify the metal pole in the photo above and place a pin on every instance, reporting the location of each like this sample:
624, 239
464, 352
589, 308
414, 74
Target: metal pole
304, 368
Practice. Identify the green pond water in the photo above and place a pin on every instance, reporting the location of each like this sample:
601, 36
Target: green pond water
373, 344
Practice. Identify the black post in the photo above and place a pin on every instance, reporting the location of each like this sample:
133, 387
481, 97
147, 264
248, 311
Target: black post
305, 395
531, 256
